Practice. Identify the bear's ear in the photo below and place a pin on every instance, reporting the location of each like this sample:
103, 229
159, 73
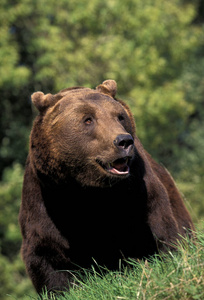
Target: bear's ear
108, 87
42, 101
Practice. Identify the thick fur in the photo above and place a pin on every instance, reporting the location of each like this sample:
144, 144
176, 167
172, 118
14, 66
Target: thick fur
74, 210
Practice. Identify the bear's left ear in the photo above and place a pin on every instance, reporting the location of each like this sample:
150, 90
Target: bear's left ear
108, 87
42, 101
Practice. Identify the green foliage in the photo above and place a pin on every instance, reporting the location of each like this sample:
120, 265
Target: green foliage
10, 195
12, 270
192, 163
161, 111
153, 49
176, 275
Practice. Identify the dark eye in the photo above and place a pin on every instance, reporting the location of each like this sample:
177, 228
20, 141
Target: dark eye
88, 121
120, 118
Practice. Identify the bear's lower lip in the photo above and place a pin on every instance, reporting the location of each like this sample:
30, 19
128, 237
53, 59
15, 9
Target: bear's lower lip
117, 167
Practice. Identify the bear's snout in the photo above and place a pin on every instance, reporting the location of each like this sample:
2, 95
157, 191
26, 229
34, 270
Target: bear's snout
124, 143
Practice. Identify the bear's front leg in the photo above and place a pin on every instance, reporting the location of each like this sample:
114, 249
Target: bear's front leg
47, 267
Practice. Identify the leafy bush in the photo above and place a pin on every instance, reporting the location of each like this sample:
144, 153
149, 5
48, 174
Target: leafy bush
13, 278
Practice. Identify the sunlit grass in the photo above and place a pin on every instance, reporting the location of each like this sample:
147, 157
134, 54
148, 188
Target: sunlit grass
176, 275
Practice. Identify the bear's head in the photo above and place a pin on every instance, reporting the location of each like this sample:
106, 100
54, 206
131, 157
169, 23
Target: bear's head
83, 134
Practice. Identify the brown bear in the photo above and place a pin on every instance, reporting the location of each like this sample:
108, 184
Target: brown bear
91, 192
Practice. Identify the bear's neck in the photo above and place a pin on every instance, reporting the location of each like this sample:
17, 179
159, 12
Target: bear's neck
117, 201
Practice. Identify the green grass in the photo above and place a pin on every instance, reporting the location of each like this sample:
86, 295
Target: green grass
177, 275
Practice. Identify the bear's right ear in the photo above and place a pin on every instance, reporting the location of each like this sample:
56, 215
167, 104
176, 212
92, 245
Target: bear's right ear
108, 87
42, 101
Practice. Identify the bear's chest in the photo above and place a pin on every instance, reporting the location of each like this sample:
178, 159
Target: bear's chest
102, 225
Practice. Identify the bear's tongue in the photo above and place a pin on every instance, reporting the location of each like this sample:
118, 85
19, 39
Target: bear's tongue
119, 167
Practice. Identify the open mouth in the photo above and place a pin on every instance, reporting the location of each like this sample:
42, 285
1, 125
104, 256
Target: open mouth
118, 167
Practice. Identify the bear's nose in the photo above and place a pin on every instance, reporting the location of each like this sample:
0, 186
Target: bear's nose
124, 142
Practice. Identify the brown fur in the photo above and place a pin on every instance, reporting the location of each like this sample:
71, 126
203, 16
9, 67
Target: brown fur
90, 189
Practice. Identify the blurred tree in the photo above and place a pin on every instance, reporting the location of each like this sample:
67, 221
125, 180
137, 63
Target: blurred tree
192, 162
14, 103
200, 12
12, 271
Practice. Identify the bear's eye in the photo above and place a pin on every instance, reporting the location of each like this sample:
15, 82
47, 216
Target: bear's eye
88, 121
121, 118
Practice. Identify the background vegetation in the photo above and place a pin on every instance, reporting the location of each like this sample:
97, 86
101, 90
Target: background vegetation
154, 49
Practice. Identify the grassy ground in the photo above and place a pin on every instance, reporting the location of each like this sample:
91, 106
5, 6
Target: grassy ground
178, 275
